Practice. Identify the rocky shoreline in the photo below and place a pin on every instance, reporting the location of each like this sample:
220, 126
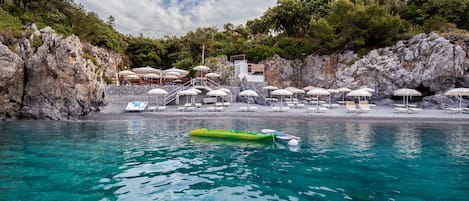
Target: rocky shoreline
61, 78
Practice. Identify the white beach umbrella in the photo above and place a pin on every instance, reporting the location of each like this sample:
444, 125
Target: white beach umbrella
344, 90
187, 93
270, 88
359, 93
225, 90
171, 77
216, 93
173, 73
157, 92
145, 70
201, 69
212, 75
126, 72
307, 88
405, 93
248, 93
367, 89
181, 72
281, 93
151, 76
458, 92
318, 92
132, 77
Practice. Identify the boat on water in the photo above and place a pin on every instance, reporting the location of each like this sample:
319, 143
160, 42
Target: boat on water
232, 134
136, 106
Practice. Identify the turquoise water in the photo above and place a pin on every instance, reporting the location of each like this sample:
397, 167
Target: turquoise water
150, 159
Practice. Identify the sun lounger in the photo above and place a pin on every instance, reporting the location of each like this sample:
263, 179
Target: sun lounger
226, 104
322, 110
312, 109
162, 108
400, 110
190, 109
276, 109
181, 109
453, 110
252, 109
414, 110
136, 106
350, 105
218, 104
152, 108
211, 109
243, 109
220, 109
198, 104
364, 106
284, 109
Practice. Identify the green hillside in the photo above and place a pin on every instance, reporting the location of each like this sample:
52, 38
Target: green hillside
292, 29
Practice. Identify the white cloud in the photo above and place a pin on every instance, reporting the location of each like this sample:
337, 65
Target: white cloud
157, 18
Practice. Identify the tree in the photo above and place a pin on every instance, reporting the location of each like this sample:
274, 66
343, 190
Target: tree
111, 21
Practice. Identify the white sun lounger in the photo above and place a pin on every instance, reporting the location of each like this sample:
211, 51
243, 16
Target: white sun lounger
136, 106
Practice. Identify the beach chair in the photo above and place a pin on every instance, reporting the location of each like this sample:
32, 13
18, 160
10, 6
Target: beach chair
226, 104
312, 109
350, 105
276, 109
364, 106
152, 108
414, 110
211, 109
162, 108
322, 110
400, 110
198, 105
284, 109
453, 110
220, 109
252, 109
243, 109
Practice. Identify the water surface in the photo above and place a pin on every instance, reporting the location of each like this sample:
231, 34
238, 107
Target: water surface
157, 159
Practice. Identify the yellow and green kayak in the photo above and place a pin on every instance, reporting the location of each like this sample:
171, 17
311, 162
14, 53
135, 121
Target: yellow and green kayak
231, 134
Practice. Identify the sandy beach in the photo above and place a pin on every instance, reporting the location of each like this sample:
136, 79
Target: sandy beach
115, 111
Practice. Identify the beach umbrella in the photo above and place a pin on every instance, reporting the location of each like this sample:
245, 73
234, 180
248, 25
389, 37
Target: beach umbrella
367, 89
359, 93
132, 77
248, 93
173, 73
281, 93
270, 88
458, 92
187, 93
126, 72
225, 90
344, 90
212, 75
307, 88
181, 72
405, 93
145, 70
157, 91
216, 93
318, 92
201, 69
295, 90
151, 76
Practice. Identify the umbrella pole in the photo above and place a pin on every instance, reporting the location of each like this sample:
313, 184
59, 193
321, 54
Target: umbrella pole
317, 102
460, 105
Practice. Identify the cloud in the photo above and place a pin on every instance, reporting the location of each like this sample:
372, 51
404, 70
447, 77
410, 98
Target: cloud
158, 18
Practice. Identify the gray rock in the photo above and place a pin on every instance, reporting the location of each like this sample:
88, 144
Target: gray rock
11, 83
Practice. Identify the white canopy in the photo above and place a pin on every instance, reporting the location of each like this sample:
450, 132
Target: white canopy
126, 72
282, 92
201, 68
406, 92
151, 76
157, 91
216, 93
147, 69
248, 93
318, 92
359, 92
270, 87
212, 75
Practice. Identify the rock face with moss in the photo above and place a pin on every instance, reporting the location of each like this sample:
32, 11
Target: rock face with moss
427, 62
54, 78
11, 83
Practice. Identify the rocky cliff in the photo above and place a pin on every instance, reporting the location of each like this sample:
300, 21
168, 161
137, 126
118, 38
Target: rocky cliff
427, 62
51, 77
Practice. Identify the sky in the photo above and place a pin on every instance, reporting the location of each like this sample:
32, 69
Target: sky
159, 18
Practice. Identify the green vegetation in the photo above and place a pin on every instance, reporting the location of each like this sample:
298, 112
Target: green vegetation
291, 29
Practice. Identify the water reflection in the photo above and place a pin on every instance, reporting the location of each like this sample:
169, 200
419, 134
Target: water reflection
407, 141
358, 135
458, 141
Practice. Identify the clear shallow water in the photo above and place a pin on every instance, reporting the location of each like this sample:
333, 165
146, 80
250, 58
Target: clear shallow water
149, 159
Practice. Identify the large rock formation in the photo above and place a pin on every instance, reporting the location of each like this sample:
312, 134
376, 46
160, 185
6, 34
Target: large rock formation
50, 77
427, 62
11, 83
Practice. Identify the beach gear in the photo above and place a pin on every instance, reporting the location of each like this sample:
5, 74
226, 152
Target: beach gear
232, 134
